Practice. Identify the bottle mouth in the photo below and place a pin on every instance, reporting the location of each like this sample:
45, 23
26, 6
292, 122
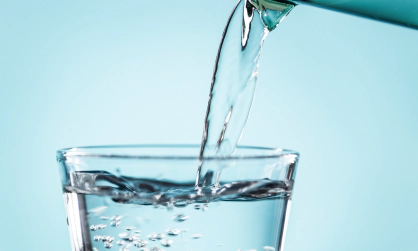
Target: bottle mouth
160, 151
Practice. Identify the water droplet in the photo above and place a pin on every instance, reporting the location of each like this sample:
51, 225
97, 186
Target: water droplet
196, 236
180, 217
97, 238
108, 244
130, 228
269, 248
166, 242
173, 231
93, 228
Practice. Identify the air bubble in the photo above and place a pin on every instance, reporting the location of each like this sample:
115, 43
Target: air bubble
108, 244
166, 242
104, 217
130, 228
124, 235
116, 218
125, 248
120, 243
205, 207
155, 237
93, 228
196, 236
107, 238
133, 238
140, 243
97, 238
115, 223
101, 226
156, 249
180, 217
95, 249
180, 203
98, 210
173, 231
269, 248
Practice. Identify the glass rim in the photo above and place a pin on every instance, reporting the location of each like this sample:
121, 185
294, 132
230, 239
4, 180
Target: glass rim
83, 151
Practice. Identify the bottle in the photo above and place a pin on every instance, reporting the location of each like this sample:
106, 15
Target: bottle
400, 12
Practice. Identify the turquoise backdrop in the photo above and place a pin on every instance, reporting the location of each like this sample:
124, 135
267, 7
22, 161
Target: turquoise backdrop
341, 90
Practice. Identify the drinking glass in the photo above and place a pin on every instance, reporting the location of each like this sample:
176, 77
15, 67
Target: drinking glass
145, 197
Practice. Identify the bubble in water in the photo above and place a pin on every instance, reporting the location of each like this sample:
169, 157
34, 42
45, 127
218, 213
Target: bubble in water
155, 236
140, 243
116, 218
108, 244
120, 243
269, 248
97, 238
124, 235
94, 228
107, 238
180, 217
205, 206
101, 226
126, 247
173, 231
137, 231
95, 249
196, 236
156, 249
115, 223
133, 237
166, 242
180, 203
130, 228
98, 210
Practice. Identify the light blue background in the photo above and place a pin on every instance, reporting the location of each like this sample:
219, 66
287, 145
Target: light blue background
341, 90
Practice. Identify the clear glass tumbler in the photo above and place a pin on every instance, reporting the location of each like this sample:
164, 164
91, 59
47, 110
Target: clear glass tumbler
145, 197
